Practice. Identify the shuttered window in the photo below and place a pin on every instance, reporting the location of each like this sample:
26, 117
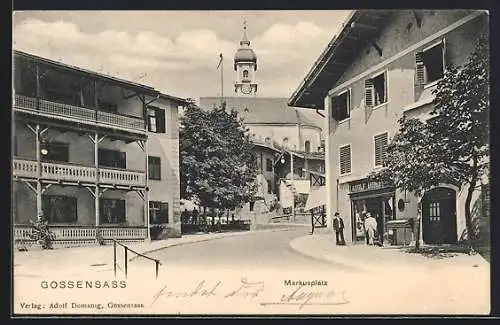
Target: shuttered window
380, 148
345, 159
156, 120
376, 90
430, 64
158, 212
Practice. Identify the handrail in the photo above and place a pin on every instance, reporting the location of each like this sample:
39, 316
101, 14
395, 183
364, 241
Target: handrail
115, 242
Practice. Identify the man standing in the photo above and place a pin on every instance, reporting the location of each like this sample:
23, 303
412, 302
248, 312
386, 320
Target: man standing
338, 226
371, 227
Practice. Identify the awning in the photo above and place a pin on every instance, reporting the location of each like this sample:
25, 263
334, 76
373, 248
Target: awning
317, 197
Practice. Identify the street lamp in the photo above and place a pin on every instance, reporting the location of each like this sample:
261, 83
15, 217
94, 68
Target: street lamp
44, 150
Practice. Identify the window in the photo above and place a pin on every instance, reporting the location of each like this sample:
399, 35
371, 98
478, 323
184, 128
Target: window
59, 209
285, 142
54, 151
158, 212
156, 120
245, 73
112, 158
434, 214
380, 149
154, 168
269, 165
107, 107
307, 146
112, 211
430, 64
376, 90
345, 159
341, 106
267, 140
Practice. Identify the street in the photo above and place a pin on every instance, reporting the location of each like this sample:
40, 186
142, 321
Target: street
256, 250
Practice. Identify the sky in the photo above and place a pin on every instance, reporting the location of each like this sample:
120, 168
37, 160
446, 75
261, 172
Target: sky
177, 52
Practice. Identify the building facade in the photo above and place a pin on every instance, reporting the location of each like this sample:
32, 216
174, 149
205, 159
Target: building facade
92, 154
381, 66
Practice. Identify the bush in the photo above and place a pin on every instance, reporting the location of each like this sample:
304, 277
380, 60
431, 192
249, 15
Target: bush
41, 233
156, 230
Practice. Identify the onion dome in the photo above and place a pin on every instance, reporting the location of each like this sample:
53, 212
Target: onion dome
245, 53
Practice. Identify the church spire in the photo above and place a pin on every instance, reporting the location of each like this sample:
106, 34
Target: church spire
244, 39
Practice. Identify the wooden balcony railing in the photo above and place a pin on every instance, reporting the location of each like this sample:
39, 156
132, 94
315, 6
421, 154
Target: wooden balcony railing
75, 232
79, 114
69, 172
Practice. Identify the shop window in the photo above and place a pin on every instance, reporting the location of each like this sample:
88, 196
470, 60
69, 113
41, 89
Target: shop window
112, 158
341, 106
158, 212
59, 209
430, 64
156, 120
112, 211
54, 151
345, 159
380, 142
269, 165
154, 168
307, 146
376, 90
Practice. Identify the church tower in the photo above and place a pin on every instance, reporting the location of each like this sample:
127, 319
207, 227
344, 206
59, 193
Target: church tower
245, 65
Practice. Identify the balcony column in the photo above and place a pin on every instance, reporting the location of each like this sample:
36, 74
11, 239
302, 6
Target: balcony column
146, 191
39, 189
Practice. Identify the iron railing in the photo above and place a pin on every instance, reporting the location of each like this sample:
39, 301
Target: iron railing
126, 249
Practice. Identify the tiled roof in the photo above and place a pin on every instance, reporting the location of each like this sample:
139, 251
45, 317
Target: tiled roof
262, 110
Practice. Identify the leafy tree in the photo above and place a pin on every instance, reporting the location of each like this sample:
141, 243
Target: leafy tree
218, 167
452, 146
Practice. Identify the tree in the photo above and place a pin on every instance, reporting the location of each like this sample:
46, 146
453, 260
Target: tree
452, 146
218, 167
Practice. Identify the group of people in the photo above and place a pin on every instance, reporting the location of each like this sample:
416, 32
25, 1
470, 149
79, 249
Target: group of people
369, 226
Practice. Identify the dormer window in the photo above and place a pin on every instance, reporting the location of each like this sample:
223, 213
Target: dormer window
245, 73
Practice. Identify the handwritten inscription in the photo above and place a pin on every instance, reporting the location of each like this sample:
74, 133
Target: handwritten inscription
298, 295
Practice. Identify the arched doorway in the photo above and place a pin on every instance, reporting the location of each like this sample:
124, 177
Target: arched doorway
439, 217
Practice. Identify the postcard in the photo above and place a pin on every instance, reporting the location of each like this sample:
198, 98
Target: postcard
177, 163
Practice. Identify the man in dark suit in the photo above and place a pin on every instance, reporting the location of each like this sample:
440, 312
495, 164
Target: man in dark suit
338, 227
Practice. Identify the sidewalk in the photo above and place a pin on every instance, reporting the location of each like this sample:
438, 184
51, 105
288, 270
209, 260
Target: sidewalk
76, 261
376, 259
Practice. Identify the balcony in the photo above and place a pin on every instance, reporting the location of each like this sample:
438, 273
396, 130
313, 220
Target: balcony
65, 112
65, 172
77, 234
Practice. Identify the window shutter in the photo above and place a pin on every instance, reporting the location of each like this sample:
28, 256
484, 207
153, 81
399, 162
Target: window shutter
445, 56
123, 159
345, 160
160, 120
163, 212
369, 92
420, 68
380, 148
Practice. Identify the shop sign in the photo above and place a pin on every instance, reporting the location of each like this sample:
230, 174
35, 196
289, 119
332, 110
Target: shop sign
365, 185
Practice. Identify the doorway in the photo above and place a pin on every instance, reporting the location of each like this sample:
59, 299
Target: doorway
439, 218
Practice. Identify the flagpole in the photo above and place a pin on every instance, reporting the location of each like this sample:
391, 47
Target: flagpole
222, 81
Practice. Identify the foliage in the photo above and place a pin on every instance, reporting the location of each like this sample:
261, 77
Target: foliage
41, 233
452, 146
156, 230
218, 167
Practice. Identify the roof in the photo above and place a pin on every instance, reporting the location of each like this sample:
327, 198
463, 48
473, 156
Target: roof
262, 110
340, 53
147, 89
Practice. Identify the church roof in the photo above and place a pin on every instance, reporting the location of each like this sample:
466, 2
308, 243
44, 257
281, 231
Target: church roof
262, 110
